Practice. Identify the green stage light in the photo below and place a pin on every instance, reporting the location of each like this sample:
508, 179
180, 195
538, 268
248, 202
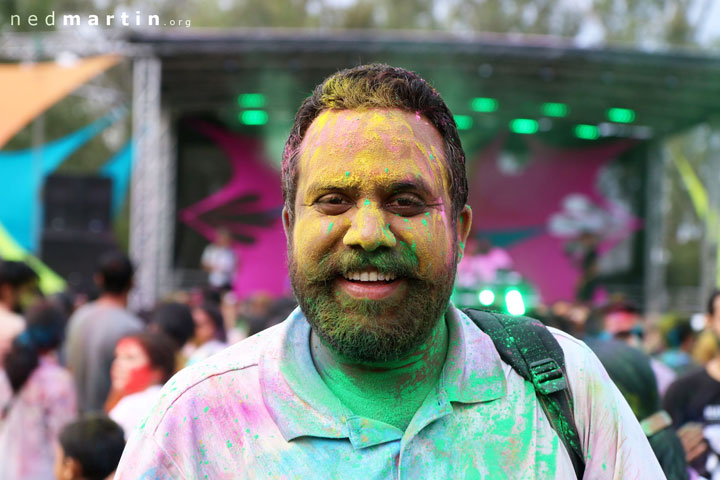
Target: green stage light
587, 132
514, 302
554, 109
524, 125
621, 115
463, 122
254, 117
486, 297
251, 100
484, 104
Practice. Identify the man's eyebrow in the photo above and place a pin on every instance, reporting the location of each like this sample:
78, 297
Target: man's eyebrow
322, 186
409, 185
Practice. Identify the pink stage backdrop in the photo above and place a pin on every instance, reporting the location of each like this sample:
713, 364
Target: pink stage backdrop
520, 205
253, 190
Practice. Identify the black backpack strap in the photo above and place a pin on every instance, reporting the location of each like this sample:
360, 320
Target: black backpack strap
533, 352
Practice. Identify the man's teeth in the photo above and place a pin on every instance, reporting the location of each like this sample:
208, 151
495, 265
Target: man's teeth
370, 276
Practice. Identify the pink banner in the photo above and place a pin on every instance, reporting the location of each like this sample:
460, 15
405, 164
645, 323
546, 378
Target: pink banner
526, 198
251, 201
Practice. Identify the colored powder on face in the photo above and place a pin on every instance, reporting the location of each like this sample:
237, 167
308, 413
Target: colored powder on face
347, 174
387, 170
406, 219
367, 201
330, 227
229, 444
206, 409
424, 222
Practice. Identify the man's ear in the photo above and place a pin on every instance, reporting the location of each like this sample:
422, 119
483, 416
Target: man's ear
286, 222
463, 226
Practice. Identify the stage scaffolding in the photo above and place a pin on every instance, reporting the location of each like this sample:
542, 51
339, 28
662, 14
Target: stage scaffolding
152, 207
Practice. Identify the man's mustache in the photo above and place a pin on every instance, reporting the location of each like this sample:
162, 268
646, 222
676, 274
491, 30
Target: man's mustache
399, 264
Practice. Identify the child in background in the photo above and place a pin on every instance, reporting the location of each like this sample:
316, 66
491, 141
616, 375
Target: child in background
89, 449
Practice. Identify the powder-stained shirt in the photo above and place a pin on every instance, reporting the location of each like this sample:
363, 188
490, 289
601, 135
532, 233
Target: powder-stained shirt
260, 410
33, 420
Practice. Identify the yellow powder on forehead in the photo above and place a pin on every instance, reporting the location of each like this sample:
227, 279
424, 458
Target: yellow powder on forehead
379, 139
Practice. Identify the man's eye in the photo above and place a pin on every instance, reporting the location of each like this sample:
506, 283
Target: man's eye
406, 205
333, 204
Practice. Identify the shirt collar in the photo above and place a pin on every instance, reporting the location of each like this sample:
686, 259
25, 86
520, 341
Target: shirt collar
301, 404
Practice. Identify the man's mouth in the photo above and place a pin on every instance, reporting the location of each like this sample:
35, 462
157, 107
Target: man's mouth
370, 284
369, 275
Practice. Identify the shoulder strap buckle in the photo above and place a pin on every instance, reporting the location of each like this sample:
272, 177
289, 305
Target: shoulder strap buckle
547, 376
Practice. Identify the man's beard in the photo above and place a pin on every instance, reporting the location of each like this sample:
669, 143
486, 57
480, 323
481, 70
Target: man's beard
372, 330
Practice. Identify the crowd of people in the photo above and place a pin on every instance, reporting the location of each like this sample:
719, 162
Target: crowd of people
77, 379
80, 373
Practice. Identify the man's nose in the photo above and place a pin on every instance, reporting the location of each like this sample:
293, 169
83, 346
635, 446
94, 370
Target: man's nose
369, 230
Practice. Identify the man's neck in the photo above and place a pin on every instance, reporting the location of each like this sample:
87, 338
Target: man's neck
390, 392
113, 300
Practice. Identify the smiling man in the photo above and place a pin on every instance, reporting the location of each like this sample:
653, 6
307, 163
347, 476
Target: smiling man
377, 375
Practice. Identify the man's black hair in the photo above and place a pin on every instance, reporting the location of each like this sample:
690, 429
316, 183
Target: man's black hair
175, 320
16, 274
96, 443
116, 272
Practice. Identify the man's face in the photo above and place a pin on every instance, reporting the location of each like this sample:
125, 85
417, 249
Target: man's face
373, 249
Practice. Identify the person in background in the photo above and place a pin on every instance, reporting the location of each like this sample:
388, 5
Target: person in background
209, 336
37, 397
95, 328
89, 449
219, 260
176, 321
143, 363
693, 402
630, 370
680, 340
17, 284
624, 322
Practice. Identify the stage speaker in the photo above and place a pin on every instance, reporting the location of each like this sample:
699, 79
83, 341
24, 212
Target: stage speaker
77, 228
78, 203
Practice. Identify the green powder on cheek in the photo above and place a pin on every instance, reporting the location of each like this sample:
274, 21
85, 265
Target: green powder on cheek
330, 227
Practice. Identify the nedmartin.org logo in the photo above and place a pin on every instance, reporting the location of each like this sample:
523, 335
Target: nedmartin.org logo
122, 19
